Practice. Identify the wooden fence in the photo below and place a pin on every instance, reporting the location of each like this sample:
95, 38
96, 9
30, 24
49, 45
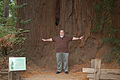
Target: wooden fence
96, 73
11, 75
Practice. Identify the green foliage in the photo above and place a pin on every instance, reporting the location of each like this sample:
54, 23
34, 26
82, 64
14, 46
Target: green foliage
17, 40
11, 45
1, 8
99, 7
104, 12
108, 4
113, 55
12, 19
7, 30
26, 21
11, 38
113, 41
21, 6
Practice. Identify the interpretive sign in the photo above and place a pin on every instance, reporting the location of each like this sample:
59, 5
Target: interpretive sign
17, 63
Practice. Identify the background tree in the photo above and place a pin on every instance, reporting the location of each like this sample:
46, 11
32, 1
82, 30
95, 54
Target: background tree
11, 38
6, 8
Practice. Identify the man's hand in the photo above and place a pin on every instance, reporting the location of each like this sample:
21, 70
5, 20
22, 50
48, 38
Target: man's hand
50, 39
43, 39
78, 38
81, 37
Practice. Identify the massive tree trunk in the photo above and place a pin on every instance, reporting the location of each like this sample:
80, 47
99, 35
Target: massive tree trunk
6, 8
76, 17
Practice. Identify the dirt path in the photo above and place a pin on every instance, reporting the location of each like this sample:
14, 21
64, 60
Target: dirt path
46, 73
61, 76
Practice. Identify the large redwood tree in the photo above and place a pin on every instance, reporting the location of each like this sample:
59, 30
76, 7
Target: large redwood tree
76, 17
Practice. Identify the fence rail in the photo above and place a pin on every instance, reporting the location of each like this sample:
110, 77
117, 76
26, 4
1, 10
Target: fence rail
96, 73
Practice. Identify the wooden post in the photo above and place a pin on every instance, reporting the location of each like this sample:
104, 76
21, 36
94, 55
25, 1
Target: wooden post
96, 64
14, 76
17, 76
10, 76
91, 79
96, 73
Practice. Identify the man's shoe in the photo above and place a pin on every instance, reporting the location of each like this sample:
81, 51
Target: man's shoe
66, 72
58, 72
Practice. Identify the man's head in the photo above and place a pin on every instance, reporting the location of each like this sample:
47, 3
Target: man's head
62, 33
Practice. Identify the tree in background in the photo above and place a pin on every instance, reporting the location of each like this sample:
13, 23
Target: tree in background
6, 8
11, 38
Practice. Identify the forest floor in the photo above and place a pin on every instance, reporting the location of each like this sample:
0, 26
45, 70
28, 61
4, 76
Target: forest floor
34, 72
75, 73
61, 76
46, 74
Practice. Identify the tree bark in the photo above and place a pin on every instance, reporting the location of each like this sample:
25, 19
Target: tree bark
6, 8
76, 17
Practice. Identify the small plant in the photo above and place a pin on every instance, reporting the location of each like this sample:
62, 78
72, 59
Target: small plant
11, 42
10, 37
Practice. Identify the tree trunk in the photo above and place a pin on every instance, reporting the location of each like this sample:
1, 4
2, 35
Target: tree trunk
76, 17
6, 8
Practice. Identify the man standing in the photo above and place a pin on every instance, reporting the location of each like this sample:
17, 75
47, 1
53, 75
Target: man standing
62, 52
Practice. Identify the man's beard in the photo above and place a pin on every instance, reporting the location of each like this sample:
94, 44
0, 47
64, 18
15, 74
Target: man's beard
61, 36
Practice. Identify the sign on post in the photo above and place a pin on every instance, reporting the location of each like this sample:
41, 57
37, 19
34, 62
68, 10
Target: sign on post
17, 63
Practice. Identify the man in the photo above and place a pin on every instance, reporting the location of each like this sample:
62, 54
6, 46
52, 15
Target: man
62, 52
